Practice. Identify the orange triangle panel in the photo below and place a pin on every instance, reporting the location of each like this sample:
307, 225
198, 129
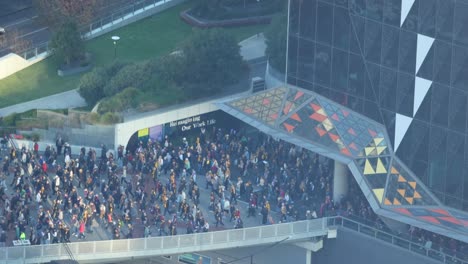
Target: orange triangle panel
353, 146
430, 219
394, 171
412, 184
400, 178
315, 107
335, 117
416, 195
440, 211
333, 137
274, 116
298, 95
387, 202
318, 117
320, 131
409, 199
451, 220
287, 107
396, 202
346, 151
296, 117
345, 113
372, 132
288, 127
266, 101
401, 192
351, 131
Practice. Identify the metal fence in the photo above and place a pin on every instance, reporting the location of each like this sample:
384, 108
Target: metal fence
395, 240
168, 245
100, 24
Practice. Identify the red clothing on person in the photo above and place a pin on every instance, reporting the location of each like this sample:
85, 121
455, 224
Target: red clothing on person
44, 167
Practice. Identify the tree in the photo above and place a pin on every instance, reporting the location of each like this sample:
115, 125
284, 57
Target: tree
67, 44
212, 60
276, 39
55, 12
92, 85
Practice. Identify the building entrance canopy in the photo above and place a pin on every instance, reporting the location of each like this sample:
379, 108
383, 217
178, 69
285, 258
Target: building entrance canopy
309, 120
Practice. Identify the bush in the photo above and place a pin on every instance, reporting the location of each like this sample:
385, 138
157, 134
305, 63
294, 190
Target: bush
131, 75
110, 118
10, 120
120, 102
92, 85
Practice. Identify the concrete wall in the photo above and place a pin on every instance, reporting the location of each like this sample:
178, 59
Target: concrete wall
353, 248
125, 130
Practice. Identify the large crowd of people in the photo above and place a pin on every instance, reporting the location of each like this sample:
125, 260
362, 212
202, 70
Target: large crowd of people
176, 185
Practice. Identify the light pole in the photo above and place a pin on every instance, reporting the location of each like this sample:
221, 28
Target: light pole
115, 39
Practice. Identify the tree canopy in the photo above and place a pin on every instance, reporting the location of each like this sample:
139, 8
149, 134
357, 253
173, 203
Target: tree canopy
66, 42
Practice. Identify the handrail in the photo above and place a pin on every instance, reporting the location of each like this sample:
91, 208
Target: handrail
167, 245
394, 240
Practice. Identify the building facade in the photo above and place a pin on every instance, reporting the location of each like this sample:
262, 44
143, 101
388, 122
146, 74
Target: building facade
403, 63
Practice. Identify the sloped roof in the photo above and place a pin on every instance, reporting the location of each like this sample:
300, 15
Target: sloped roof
314, 122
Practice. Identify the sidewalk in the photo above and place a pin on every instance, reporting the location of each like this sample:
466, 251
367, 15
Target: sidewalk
69, 99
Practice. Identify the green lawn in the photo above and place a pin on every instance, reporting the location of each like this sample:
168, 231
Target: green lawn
151, 37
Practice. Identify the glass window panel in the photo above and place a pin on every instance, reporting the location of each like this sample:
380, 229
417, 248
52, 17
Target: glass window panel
341, 29
389, 121
373, 41
372, 110
294, 16
411, 21
391, 12
323, 64
407, 51
374, 9
437, 158
339, 80
357, 39
427, 15
358, 7
427, 67
460, 67
405, 94
388, 87
357, 72
305, 60
307, 18
439, 106
457, 110
465, 175
343, 3
292, 55
444, 19
415, 144
455, 150
424, 110
324, 23
442, 62
372, 80
460, 30
390, 44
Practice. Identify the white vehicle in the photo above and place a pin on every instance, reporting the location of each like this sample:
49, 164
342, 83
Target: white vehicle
2, 31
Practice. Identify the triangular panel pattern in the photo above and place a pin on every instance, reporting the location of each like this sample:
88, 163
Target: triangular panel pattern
402, 124
421, 87
405, 9
424, 44
375, 171
264, 105
403, 189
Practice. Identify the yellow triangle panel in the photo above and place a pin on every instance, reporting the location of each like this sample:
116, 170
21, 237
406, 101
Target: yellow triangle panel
377, 141
368, 168
380, 167
369, 150
381, 149
379, 194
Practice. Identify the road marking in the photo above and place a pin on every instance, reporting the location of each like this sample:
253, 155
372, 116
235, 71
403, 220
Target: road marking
20, 21
33, 32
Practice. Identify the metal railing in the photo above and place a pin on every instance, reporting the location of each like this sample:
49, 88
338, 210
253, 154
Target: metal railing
394, 240
168, 245
117, 16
